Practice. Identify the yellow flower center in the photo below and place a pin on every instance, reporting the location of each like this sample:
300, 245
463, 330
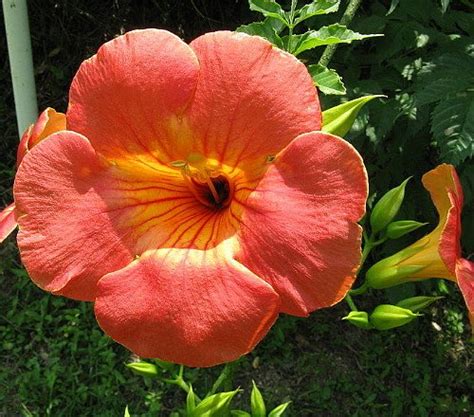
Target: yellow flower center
206, 180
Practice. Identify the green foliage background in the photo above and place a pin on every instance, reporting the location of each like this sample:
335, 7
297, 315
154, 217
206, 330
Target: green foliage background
54, 361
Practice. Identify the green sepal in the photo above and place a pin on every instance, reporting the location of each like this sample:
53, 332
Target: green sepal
416, 304
387, 207
359, 319
401, 228
279, 410
143, 368
126, 413
215, 405
338, 120
257, 404
387, 316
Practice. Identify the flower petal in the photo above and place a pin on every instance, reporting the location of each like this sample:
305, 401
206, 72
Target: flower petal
299, 228
186, 306
49, 121
7, 221
465, 280
66, 239
446, 192
124, 98
251, 99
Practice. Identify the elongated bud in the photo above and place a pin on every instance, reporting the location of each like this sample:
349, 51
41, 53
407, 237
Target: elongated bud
279, 410
359, 319
257, 404
400, 228
143, 368
388, 273
416, 304
387, 316
190, 401
387, 207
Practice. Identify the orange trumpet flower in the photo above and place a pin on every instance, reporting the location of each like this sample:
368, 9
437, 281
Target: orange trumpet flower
438, 254
192, 198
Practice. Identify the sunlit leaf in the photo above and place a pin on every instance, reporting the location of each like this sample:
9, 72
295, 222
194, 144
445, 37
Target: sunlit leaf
269, 8
317, 7
327, 35
327, 80
264, 29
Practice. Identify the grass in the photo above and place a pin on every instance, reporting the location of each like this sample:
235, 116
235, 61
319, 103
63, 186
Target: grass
56, 362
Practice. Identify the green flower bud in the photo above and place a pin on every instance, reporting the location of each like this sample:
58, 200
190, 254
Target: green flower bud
214, 405
239, 413
359, 319
400, 228
388, 272
143, 368
416, 304
387, 207
190, 401
257, 404
386, 316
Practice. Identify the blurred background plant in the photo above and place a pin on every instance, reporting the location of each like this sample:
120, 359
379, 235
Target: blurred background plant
56, 362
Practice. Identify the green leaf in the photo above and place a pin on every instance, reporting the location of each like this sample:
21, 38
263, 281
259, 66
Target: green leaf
215, 405
445, 77
269, 8
393, 6
126, 413
143, 368
387, 207
279, 410
264, 29
327, 80
453, 128
338, 120
317, 7
401, 228
190, 401
239, 413
327, 35
257, 404
445, 5
416, 304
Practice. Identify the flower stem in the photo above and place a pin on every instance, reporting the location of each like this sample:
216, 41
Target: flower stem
345, 20
179, 381
350, 302
225, 378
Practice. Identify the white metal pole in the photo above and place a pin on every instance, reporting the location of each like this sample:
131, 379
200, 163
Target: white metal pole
15, 13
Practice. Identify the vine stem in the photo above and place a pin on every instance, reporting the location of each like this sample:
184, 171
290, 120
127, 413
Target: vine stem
346, 18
